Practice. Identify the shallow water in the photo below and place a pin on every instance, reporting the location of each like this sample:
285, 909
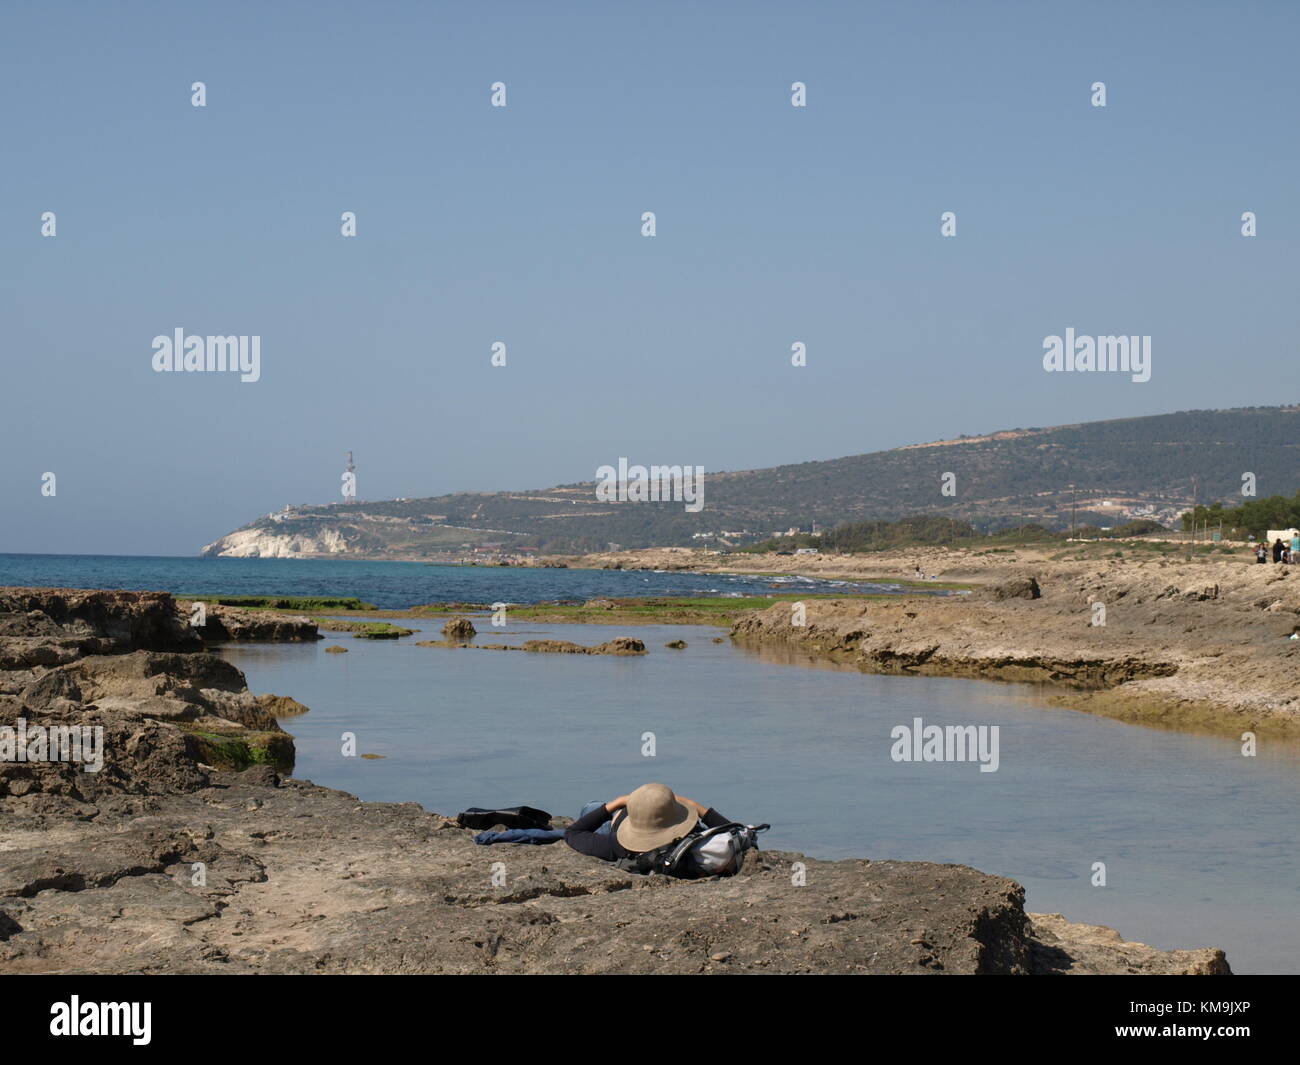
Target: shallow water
1198, 841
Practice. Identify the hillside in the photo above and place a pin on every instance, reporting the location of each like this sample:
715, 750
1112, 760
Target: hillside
1123, 468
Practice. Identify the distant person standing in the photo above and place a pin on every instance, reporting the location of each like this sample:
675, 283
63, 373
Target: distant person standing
1261, 554
1277, 550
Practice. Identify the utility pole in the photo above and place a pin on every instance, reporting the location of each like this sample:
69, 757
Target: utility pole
1191, 544
1073, 513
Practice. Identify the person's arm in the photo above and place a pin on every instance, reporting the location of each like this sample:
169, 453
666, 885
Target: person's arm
707, 814
582, 835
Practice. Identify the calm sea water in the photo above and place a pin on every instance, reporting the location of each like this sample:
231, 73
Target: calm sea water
393, 585
1199, 843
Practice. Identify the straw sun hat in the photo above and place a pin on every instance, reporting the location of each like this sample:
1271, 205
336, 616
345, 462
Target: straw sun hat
654, 817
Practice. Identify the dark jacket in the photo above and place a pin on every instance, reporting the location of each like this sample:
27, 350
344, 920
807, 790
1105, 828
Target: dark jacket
583, 837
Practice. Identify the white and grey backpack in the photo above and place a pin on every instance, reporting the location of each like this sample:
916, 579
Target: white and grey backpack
717, 851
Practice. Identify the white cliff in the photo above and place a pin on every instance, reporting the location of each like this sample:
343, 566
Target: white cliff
275, 543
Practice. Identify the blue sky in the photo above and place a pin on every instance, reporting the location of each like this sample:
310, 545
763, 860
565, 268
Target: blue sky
522, 224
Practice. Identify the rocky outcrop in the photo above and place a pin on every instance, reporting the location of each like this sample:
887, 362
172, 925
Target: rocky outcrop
280, 542
367, 630
224, 624
381, 631
281, 705
459, 629
1063, 947
49, 626
1016, 588
1184, 644
620, 645
300, 879
122, 673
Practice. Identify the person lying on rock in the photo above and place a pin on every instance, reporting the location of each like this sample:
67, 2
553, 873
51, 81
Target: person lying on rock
650, 817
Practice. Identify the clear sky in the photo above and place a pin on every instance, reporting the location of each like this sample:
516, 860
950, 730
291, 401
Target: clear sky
522, 224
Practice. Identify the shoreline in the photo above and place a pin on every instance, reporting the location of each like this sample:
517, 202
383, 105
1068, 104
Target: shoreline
1204, 650
1199, 645
98, 871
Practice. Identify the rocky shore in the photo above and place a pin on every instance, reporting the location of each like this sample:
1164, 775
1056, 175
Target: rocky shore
183, 855
1201, 644
223, 624
1205, 646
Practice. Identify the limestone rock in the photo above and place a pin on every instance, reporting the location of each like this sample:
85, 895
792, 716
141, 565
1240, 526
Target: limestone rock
459, 629
227, 624
281, 705
1017, 588
391, 888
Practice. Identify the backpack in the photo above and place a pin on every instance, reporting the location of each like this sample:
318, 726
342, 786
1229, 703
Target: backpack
716, 851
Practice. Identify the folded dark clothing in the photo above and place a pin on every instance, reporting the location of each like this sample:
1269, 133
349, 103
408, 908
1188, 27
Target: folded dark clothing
520, 835
511, 817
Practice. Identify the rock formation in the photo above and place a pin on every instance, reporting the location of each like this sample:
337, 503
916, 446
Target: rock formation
302, 879
619, 645
1198, 645
227, 624
459, 629
129, 664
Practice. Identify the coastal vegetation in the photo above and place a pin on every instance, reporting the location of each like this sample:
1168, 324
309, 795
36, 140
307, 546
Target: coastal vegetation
236, 752
1254, 517
654, 610
365, 630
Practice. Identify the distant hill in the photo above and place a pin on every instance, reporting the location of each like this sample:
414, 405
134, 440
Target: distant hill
1121, 469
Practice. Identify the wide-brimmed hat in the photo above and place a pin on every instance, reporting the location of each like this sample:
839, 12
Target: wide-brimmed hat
654, 817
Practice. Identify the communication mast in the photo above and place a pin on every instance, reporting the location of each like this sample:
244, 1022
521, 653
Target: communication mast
350, 481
